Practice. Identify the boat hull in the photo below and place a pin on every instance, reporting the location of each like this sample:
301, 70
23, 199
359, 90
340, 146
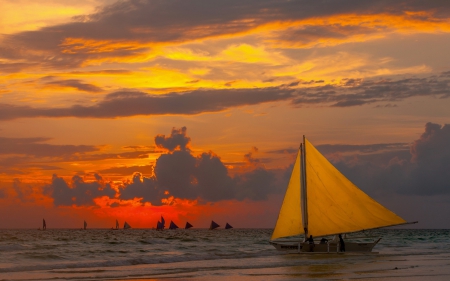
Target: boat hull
301, 247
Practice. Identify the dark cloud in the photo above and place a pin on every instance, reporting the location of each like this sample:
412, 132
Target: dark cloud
22, 155
142, 187
350, 93
180, 174
123, 104
351, 148
120, 28
309, 36
362, 149
79, 192
177, 139
103, 156
23, 191
35, 147
361, 92
125, 171
76, 84
424, 170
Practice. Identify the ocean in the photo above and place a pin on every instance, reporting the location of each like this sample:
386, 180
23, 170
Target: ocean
201, 254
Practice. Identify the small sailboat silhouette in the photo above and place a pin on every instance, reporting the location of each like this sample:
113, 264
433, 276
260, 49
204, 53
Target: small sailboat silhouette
188, 225
117, 226
126, 226
161, 224
85, 225
44, 225
213, 225
172, 225
228, 226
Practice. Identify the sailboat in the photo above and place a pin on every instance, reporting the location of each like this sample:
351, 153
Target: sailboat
188, 225
172, 225
213, 225
44, 225
117, 226
126, 226
161, 224
228, 226
85, 225
320, 201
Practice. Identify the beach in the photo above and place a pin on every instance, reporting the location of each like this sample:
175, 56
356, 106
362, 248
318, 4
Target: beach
201, 254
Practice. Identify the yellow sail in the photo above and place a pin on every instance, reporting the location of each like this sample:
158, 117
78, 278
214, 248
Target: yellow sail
289, 221
336, 205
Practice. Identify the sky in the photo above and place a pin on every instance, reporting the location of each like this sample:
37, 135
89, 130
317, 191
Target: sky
194, 109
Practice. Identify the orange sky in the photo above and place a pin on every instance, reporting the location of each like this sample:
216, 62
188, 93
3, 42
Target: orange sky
135, 109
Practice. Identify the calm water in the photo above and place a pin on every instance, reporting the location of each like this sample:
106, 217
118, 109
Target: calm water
200, 254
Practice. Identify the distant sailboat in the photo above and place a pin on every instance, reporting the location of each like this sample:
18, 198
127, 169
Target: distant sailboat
163, 222
117, 226
85, 225
320, 201
228, 226
172, 225
213, 225
44, 225
126, 226
188, 225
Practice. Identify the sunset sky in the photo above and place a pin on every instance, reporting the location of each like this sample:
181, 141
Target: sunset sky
194, 109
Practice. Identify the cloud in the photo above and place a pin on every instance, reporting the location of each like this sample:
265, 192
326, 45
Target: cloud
75, 84
362, 149
391, 167
79, 192
128, 170
351, 148
177, 139
177, 173
360, 92
421, 171
36, 148
350, 92
417, 168
124, 104
134, 30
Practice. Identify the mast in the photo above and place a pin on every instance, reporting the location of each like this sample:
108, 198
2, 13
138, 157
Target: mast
303, 190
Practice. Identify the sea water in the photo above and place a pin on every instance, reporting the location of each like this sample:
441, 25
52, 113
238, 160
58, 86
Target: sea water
201, 254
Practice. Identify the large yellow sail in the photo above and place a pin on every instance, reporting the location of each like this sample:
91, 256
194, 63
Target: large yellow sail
336, 205
289, 221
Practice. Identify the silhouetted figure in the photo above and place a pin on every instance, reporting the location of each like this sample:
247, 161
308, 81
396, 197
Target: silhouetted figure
310, 240
323, 240
341, 241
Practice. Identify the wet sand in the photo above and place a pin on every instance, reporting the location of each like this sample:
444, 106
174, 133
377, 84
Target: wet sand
323, 267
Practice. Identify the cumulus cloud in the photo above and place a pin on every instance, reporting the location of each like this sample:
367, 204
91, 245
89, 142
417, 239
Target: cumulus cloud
177, 139
177, 173
421, 171
79, 192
